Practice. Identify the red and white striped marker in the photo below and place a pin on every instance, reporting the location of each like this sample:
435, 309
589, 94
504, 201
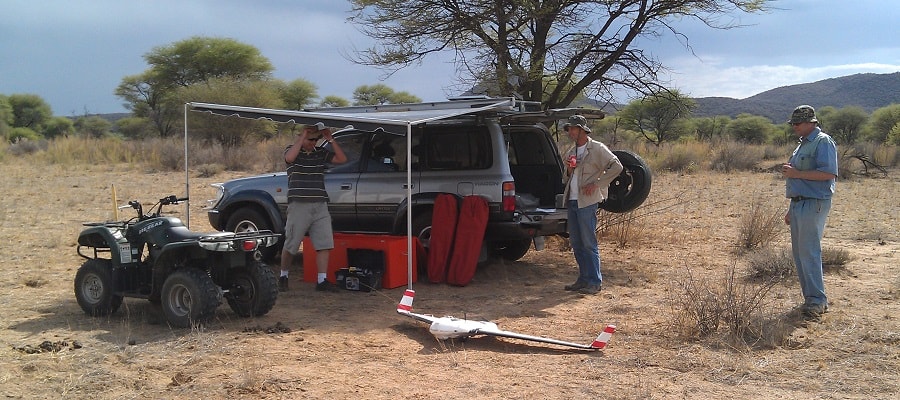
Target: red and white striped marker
603, 338
407, 300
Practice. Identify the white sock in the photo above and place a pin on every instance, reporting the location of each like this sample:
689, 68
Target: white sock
284, 273
321, 277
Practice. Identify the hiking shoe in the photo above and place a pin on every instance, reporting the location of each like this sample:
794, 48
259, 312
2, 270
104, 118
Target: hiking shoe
589, 289
813, 311
283, 284
576, 286
326, 286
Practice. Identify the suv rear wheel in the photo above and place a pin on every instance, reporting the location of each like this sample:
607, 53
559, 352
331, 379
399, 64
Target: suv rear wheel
512, 250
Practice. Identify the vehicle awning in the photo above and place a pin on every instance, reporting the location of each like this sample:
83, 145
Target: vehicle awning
364, 118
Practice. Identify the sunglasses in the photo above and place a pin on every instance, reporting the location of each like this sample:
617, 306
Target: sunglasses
313, 139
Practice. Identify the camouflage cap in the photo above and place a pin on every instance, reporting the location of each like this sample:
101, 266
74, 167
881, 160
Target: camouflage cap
803, 113
579, 121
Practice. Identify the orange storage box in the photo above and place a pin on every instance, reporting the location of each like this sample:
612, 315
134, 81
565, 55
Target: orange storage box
395, 257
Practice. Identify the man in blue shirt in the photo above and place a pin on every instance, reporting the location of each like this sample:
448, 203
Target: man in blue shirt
810, 176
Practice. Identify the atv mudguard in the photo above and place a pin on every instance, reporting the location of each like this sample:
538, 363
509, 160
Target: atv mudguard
102, 237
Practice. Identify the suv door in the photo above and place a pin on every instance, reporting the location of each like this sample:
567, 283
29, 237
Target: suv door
381, 189
341, 180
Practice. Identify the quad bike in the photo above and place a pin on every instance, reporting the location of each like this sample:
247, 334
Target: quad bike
158, 258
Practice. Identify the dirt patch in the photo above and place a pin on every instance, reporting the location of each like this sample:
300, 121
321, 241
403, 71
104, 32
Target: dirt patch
336, 345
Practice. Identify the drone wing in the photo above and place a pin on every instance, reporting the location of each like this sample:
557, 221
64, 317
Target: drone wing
598, 344
472, 328
405, 308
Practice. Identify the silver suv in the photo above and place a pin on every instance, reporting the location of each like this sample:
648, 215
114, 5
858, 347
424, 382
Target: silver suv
507, 155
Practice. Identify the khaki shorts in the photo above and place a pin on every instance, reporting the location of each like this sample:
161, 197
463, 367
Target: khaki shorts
310, 219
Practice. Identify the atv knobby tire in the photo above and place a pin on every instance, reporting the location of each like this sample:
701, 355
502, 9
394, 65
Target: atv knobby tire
94, 289
253, 290
189, 297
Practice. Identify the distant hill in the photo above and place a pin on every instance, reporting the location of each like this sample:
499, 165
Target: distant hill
869, 91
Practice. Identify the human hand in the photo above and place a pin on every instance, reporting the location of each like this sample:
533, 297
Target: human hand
788, 170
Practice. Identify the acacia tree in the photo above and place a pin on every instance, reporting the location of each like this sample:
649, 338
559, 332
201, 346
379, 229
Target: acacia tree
197, 60
380, 93
523, 44
844, 125
657, 117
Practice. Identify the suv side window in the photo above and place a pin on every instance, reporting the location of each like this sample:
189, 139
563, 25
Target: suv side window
458, 149
352, 144
387, 153
529, 148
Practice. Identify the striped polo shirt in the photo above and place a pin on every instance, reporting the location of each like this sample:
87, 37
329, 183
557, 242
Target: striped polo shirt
306, 176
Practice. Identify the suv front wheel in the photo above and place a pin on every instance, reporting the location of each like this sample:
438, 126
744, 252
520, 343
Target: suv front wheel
251, 220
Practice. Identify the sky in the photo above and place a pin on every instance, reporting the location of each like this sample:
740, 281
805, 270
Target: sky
74, 54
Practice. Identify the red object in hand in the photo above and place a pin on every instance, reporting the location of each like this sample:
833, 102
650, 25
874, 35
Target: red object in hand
572, 161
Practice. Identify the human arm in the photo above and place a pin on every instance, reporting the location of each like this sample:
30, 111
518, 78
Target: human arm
293, 150
339, 156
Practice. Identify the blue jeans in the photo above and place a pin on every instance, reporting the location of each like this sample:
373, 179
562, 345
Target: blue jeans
807, 219
583, 238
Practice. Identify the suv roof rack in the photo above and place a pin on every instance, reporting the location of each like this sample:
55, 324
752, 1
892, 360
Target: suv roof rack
452, 104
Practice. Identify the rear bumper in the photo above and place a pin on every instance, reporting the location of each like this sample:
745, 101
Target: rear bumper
528, 225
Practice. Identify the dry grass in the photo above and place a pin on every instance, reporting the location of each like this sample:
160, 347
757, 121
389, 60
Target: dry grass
354, 344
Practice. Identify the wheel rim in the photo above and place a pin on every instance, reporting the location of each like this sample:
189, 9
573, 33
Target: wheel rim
92, 288
180, 300
245, 226
243, 289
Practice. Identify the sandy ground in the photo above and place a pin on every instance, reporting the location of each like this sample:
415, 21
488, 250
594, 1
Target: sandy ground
318, 345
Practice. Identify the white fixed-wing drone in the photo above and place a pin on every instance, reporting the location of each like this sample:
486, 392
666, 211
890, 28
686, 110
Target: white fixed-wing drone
444, 328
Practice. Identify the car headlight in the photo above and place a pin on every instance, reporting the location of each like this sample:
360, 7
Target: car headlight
220, 192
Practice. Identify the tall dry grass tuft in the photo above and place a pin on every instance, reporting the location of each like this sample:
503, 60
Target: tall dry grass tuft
770, 264
761, 225
686, 158
74, 150
732, 309
623, 228
731, 157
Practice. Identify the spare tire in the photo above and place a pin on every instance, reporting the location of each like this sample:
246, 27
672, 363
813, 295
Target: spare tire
629, 190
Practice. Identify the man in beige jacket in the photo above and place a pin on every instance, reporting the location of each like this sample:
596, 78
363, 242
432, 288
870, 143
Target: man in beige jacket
590, 167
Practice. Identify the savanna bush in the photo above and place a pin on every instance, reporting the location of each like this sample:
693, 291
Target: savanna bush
771, 264
736, 157
681, 157
760, 225
730, 306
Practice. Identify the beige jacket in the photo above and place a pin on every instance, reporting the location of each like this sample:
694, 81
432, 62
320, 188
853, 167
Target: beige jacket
599, 166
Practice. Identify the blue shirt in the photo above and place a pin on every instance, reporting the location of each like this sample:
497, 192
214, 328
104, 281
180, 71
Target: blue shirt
818, 152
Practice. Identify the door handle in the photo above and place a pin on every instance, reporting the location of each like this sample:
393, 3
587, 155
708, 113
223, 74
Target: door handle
413, 186
346, 186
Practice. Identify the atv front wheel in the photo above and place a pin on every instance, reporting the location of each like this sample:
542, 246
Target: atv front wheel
94, 288
189, 296
253, 290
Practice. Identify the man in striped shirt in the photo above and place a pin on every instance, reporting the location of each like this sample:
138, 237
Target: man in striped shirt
307, 211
